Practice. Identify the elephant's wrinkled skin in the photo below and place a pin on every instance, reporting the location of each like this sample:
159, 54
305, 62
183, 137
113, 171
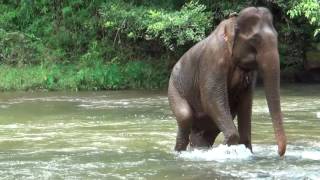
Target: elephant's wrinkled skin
213, 82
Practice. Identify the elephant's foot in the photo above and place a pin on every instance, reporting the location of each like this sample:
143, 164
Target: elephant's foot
249, 146
247, 143
182, 141
232, 138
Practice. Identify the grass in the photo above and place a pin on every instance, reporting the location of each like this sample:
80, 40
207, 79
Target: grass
112, 76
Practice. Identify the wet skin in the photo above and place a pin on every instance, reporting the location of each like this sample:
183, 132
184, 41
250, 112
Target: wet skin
213, 82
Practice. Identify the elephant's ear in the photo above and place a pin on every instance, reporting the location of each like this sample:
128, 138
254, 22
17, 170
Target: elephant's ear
230, 32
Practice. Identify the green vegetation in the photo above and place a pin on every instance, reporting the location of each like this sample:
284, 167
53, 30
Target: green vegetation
121, 44
309, 9
170, 28
135, 74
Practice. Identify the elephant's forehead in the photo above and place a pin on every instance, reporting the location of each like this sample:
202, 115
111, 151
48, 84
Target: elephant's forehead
255, 10
248, 10
252, 16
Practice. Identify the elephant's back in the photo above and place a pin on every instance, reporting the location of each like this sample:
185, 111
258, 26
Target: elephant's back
187, 66
185, 73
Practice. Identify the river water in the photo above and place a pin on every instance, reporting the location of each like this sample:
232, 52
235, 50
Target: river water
131, 135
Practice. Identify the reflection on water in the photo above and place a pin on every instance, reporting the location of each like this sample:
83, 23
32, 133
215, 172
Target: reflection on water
131, 134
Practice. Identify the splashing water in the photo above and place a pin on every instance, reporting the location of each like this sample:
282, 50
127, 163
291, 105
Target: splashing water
312, 155
220, 153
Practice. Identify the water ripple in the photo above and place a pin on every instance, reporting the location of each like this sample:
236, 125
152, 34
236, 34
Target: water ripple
129, 135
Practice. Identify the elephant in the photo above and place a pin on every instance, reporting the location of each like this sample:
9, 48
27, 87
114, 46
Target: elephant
213, 82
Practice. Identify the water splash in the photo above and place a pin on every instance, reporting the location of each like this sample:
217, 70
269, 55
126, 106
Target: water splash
220, 153
312, 155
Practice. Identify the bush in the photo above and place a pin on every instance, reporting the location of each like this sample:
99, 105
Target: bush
172, 28
17, 48
310, 9
140, 74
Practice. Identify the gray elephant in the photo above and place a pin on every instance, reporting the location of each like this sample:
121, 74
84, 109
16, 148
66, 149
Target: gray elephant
213, 82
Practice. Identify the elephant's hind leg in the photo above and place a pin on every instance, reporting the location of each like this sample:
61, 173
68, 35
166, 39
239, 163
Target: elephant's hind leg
184, 115
204, 132
203, 139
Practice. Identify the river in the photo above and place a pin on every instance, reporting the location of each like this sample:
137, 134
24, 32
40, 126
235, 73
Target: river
131, 135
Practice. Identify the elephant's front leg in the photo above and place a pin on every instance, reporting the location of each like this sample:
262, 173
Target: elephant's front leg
215, 102
244, 112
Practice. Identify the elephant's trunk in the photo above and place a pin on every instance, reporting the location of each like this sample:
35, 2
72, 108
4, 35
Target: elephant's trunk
270, 69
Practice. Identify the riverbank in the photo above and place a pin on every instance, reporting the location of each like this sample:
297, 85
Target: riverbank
112, 76
132, 75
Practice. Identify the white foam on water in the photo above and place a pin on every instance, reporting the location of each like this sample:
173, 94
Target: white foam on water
220, 153
311, 152
10, 126
313, 155
318, 114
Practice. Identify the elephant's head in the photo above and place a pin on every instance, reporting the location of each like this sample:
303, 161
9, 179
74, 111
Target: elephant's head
255, 46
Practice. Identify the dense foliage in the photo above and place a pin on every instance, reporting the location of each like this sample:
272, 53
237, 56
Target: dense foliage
118, 44
310, 9
170, 28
